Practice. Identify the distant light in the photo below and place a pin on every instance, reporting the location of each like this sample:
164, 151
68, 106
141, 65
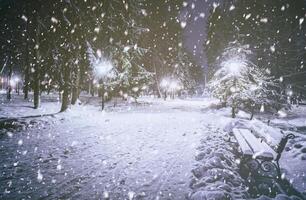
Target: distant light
12, 83
170, 84
234, 66
102, 68
173, 85
164, 83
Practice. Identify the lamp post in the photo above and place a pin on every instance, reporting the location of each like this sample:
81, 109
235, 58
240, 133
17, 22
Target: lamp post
102, 71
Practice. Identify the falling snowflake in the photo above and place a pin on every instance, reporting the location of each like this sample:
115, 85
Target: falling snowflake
301, 20
39, 176
24, 18
264, 20
144, 12
126, 48
283, 8
54, 20
59, 167
20, 142
97, 30
262, 108
131, 195
183, 24
248, 16
232, 7
105, 195
10, 134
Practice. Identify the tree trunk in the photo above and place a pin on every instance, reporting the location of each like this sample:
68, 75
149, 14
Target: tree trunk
89, 88
234, 103
252, 113
65, 100
165, 95
36, 89
74, 96
92, 88
49, 89
60, 96
9, 84
233, 112
26, 82
66, 90
102, 104
159, 94
102, 95
75, 90
36, 81
27, 64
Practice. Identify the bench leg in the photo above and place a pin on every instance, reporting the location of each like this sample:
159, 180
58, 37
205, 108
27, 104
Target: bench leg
262, 176
259, 169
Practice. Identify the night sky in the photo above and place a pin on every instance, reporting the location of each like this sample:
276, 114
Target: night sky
196, 13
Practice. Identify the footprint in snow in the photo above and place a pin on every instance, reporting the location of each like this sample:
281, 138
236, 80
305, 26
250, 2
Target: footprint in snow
298, 146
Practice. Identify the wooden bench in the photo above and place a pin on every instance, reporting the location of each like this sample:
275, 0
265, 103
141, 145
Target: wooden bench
257, 157
260, 164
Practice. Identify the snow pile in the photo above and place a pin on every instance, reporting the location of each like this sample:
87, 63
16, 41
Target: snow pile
216, 176
293, 163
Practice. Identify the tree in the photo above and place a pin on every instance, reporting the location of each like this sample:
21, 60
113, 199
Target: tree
166, 56
273, 30
241, 84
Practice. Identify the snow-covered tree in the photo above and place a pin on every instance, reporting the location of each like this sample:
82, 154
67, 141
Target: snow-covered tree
186, 71
263, 93
120, 71
274, 30
132, 77
241, 84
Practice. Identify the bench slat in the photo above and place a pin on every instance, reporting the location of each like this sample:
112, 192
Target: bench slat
260, 149
245, 148
269, 149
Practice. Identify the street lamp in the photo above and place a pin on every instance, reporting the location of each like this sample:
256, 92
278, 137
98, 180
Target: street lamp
102, 71
12, 83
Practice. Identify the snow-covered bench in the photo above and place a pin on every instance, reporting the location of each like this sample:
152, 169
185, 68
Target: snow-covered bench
258, 157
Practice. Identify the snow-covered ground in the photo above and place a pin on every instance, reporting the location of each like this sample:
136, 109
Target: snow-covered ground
294, 158
133, 150
154, 149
